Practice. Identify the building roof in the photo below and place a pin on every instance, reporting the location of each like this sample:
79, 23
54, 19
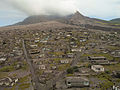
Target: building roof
98, 66
97, 57
2, 59
76, 79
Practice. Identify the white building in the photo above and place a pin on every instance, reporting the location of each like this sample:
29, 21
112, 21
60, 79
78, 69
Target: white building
42, 67
2, 60
97, 68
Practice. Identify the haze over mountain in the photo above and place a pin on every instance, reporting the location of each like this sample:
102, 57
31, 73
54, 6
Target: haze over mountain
77, 18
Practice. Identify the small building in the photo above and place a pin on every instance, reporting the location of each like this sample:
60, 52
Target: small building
77, 82
70, 55
83, 40
98, 60
116, 74
64, 61
42, 67
48, 71
36, 41
43, 41
53, 67
76, 50
34, 51
84, 70
117, 54
97, 68
2, 60
33, 46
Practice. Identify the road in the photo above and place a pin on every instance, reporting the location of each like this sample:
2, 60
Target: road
36, 84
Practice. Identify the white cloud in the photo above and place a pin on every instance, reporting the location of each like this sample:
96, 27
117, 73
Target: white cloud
61, 7
95, 8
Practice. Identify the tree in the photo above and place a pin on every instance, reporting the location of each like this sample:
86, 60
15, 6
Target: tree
70, 71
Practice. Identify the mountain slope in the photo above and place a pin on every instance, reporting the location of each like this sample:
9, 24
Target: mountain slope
116, 21
50, 25
76, 19
40, 18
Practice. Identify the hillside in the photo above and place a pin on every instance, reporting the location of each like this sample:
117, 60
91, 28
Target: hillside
116, 21
76, 18
39, 26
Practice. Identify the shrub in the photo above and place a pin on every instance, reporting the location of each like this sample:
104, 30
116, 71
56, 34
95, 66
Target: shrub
70, 71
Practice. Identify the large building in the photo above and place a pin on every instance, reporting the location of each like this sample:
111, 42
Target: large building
77, 82
97, 68
98, 60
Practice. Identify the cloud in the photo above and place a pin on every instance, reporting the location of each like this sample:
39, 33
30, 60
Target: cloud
94, 8
60, 7
100, 8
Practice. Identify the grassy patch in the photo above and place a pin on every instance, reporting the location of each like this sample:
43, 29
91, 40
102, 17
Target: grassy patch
7, 69
113, 47
25, 66
69, 75
108, 56
106, 84
3, 74
63, 67
24, 86
56, 53
112, 67
24, 79
56, 60
106, 81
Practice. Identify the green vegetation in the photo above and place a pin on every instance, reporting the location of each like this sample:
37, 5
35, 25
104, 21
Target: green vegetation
13, 88
23, 83
24, 79
7, 69
63, 67
113, 47
56, 53
112, 67
3, 74
12, 67
56, 60
106, 84
72, 70
106, 81
69, 75
24, 86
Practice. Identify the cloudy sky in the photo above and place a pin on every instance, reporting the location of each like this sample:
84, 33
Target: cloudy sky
12, 11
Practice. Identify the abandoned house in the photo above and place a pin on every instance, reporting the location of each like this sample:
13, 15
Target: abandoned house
117, 53
2, 60
8, 81
77, 82
76, 50
34, 51
97, 68
98, 60
42, 67
70, 55
65, 61
33, 46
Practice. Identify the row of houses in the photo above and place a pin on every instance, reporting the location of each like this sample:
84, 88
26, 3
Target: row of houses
8, 81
